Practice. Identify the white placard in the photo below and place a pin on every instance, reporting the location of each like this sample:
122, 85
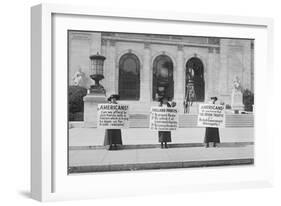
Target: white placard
112, 116
163, 119
211, 115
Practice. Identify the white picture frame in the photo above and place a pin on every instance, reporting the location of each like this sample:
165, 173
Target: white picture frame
49, 179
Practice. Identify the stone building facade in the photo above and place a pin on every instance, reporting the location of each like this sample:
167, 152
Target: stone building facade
135, 64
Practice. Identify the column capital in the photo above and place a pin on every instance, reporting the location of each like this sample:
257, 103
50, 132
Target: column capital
103, 42
180, 47
210, 50
112, 42
147, 45
214, 50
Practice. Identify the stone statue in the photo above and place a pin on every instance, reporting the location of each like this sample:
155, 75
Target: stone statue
190, 95
236, 86
80, 79
237, 95
190, 75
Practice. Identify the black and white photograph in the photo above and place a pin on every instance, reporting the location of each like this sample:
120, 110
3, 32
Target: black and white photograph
140, 103
156, 101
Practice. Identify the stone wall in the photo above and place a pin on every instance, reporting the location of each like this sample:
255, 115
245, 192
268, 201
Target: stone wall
236, 60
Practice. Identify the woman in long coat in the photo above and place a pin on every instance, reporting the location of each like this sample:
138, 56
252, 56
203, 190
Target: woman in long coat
164, 136
212, 133
113, 137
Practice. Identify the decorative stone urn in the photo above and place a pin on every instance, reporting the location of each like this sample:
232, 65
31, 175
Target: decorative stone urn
97, 93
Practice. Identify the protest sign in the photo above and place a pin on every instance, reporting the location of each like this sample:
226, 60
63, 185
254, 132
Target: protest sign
211, 115
163, 119
112, 116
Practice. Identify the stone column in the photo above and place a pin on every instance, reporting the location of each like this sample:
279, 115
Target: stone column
103, 47
211, 78
223, 73
252, 66
112, 71
145, 84
104, 52
247, 62
179, 89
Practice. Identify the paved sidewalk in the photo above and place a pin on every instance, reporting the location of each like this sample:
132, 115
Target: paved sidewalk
141, 150
156, 158
142, 136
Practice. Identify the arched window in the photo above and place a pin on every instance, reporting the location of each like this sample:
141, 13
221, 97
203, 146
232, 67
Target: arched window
195, 75
163, 82
129, 77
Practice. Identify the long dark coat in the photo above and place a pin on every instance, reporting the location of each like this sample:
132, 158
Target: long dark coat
212, 135
165, 136
112, 136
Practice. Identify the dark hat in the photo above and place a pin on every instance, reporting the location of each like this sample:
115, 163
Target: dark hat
173, 104
214, 98
115, 96
161, 98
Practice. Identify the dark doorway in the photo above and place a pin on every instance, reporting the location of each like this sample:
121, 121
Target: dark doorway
129, 77
163, 81
195, 76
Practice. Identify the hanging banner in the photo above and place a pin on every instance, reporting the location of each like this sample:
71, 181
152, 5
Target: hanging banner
163, 118
112, 116
211, 115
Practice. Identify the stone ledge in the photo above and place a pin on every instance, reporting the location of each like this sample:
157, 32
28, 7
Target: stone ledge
172, 145
159, 165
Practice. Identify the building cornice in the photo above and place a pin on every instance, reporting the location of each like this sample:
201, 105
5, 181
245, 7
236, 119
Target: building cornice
165, 42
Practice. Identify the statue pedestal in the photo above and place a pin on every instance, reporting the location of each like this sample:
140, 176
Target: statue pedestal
91, 102
237, 101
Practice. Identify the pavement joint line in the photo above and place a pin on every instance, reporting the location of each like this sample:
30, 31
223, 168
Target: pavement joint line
170, 157
136, 153
103, 158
